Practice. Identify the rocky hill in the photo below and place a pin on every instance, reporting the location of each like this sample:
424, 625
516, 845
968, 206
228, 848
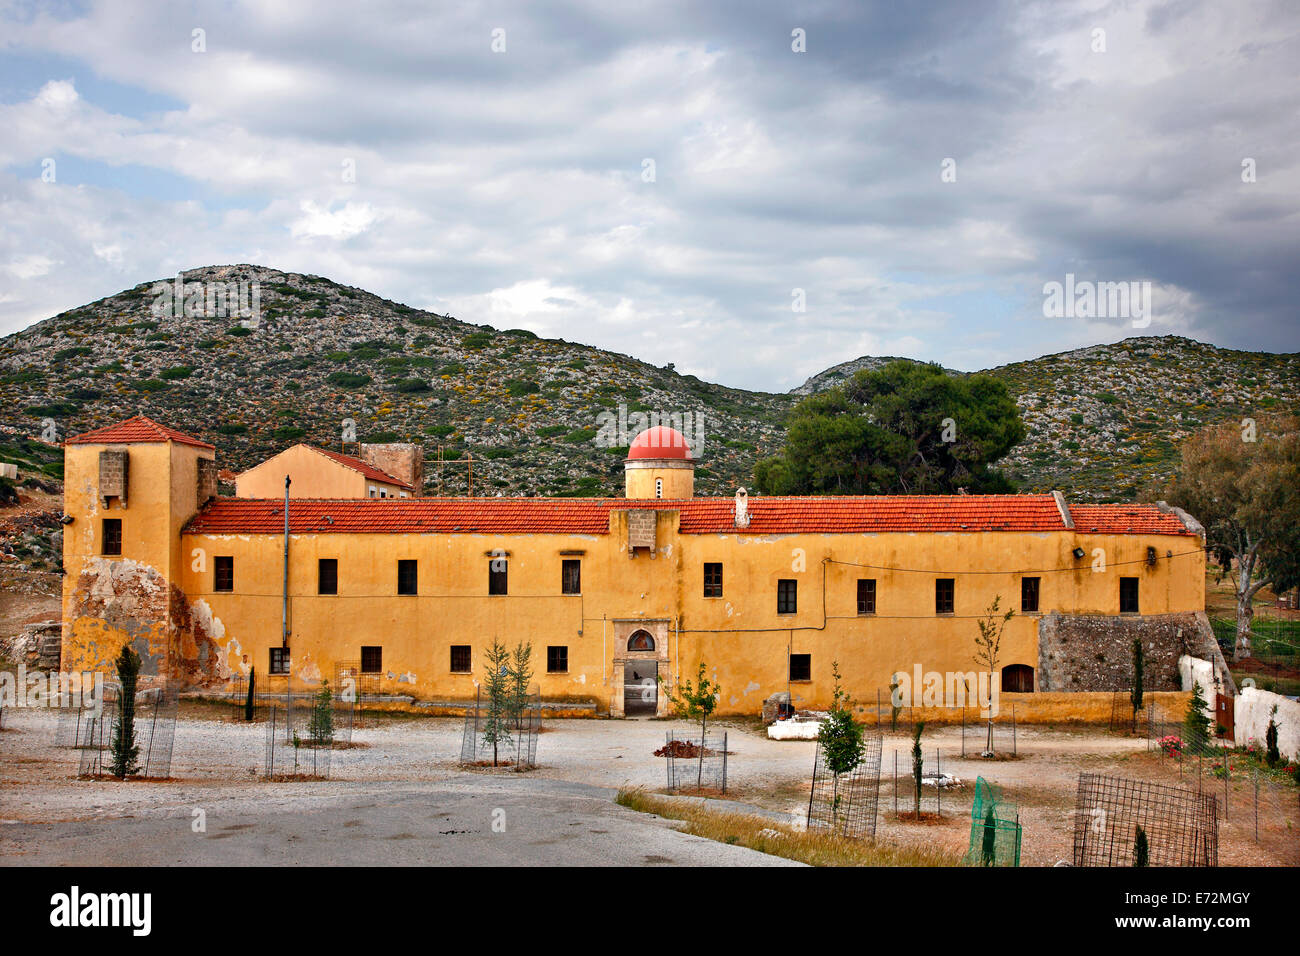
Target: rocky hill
1102, 420
1106, 420
528, 410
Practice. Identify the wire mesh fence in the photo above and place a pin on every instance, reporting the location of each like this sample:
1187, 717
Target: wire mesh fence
696, 764
1122, 822
995, 830
847, 804
73, 728
505, 736
153, 724
301, 735
919, 789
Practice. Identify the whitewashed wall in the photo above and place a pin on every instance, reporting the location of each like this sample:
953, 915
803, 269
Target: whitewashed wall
1251, 720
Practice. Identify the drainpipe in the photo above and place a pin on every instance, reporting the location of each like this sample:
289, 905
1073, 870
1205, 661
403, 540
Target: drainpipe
284, 609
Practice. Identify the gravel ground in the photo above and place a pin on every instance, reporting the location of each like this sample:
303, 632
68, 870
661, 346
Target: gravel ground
218, 760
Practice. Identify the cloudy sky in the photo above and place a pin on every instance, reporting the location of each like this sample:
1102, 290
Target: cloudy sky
670, 180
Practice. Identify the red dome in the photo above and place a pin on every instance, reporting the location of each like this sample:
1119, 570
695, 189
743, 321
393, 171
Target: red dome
660, 442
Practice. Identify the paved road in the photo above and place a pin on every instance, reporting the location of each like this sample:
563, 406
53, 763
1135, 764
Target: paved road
470, 820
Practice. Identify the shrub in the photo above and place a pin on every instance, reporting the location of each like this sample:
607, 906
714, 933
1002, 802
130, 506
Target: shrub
348, 379
288, 433
476, 340
177, 372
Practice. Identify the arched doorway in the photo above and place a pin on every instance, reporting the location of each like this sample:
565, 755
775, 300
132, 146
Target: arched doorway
1018, 679
641, 675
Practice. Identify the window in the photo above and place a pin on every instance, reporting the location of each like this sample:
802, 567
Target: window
498, 569
223, 573
866, 595
1128, 595
557, 660
571, 576
801, 667
659, 487
408, 577
372, 660
279, 660
460, 659
111, 536
713, 579
1029, 595
373, 492
327, 576
943, 595
787, 596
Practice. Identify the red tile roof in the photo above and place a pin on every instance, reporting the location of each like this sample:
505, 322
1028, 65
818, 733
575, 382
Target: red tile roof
137, 429
367, 469
1125, 519
809, 515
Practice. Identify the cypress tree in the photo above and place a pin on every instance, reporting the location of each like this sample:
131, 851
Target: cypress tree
126, 751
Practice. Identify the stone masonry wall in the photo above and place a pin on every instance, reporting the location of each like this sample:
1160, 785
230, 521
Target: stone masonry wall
1091, 652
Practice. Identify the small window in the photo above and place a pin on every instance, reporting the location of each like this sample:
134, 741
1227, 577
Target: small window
801, 667
223, 573
571, 576
944, 589
713, 579
372, 660
373, 492
111, 536
408, 581
327, 576
498, 571
460, 659
659, 487
1128, 595
866, 595
279, 660
787, 596
1029, 595
557, 660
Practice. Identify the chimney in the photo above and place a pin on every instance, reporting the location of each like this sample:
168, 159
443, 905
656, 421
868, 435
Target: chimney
400, 460
742, 508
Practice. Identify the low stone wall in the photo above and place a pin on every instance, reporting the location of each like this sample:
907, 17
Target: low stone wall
1044, 707
1094, 652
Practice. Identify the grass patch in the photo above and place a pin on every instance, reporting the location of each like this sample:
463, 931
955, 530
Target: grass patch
779, 839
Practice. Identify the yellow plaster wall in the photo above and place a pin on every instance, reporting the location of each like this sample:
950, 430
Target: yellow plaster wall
314, 476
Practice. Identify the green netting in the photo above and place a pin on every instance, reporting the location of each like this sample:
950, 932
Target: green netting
994, 828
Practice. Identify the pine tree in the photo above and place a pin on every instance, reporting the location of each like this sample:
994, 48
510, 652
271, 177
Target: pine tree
520, 673
126, 751
1141, 850
248, 703
320, 726
496, 727
1271, 753
1196, 723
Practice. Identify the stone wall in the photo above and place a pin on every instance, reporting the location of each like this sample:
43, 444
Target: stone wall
404, 461
1091, 652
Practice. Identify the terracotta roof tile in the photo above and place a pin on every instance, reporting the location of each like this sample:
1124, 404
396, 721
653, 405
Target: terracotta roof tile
137, 429
367, 469
808, 515
1125, 519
